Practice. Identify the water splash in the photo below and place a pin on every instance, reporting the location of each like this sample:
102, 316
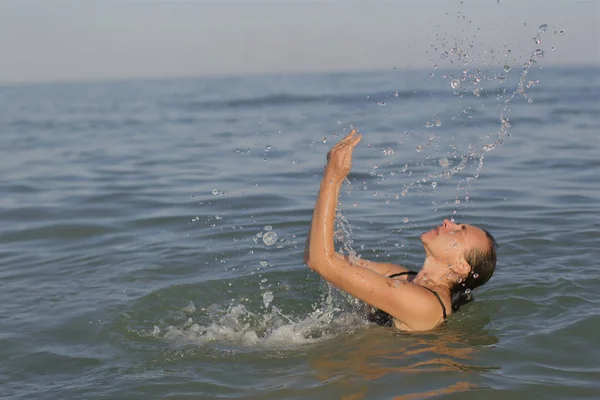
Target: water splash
267, 298
269, 238
238, 328
343, 229
473, 156
267, 235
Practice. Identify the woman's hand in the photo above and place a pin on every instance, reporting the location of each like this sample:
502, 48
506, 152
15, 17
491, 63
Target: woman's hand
339, 158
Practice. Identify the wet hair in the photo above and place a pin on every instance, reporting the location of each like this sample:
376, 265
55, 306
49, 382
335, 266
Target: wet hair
482, 265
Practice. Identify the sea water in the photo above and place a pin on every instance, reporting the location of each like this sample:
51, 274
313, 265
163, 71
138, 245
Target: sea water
153, 231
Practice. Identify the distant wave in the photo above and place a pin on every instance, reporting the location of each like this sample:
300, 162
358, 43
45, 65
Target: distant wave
287, 99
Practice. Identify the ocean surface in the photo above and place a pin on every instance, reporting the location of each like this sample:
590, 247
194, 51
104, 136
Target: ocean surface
152, 234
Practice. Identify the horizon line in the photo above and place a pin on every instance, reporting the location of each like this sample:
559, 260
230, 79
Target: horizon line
220, 75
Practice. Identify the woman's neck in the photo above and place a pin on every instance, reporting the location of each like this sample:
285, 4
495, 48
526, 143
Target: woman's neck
435, 274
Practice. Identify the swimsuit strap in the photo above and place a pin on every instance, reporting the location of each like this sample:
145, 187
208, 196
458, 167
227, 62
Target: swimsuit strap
431, 290
439, 299
403, 273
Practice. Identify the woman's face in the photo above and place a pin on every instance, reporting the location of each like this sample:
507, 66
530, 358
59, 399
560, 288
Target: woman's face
449, 241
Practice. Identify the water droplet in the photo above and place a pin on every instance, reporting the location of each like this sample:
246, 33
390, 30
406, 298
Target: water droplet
444, 162
264, 264
438, 123
419, 148
530, 100
324, 140
381, 103
467, 290
543, 28
457, 202
388, 152
475, 275
268, 228
215, 192
477, 92
268, 148
434, 184
455, 84
267, 298
396, 93
269, 238
562, 32
447, 174
538, 53
405, 220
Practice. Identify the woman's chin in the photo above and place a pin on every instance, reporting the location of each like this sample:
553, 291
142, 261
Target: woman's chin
428, 235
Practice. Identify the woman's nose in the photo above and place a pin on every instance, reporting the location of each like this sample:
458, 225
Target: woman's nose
447, 223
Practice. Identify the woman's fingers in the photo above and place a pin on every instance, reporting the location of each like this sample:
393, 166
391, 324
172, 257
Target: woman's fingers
350, 135
356, 139
346, 144
351, 144
346, 139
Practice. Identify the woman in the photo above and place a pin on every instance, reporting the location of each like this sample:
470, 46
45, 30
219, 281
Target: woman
458, 258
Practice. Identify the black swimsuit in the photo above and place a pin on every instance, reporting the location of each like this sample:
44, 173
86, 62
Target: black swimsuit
384, 319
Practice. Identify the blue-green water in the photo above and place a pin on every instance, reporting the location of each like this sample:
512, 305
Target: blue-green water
132, 263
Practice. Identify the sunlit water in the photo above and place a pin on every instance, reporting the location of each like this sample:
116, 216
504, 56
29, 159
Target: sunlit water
153, 231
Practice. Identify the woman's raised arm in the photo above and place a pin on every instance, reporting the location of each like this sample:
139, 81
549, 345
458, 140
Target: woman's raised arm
320, 242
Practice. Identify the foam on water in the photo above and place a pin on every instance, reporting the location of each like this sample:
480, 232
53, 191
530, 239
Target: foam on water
238, 327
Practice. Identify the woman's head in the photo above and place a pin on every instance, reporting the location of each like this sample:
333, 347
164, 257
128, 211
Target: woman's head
469, 252
482, 263
450, 243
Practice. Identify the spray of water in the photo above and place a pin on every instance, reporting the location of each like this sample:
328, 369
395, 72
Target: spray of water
476, 156
238, 328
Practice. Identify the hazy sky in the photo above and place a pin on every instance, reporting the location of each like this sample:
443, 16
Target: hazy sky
105, 39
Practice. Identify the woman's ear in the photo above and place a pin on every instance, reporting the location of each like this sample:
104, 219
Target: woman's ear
462, 268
